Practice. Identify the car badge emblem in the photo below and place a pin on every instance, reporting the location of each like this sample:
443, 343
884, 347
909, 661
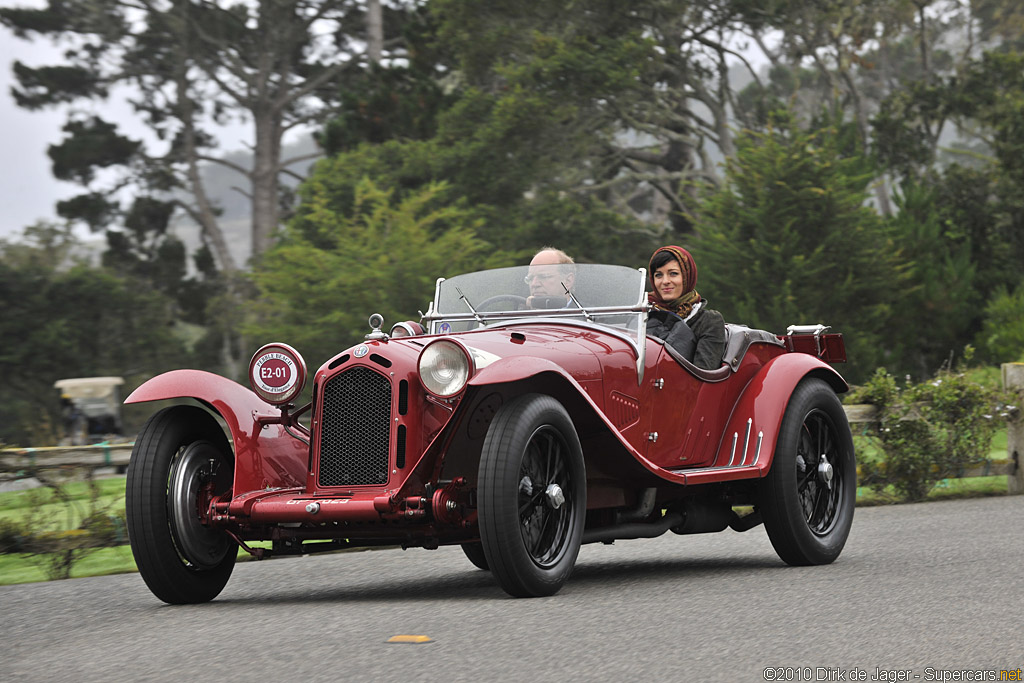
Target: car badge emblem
445, 328
361, 350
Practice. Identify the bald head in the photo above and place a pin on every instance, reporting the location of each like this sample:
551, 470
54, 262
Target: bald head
551, 272
549, 256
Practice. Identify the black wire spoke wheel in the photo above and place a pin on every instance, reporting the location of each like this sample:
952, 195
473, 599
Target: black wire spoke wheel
545, 512
820, 484
807, 499
180, 461
532, 496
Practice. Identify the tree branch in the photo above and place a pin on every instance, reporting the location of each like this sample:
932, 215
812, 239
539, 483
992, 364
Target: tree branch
224, 162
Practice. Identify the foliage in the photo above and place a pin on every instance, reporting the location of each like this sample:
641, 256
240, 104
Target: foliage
516, 220
636, 93
789, 239
58, 528
927, 431
12, 538
193, 66
65, 319
337, 265
1002, 336
938, 306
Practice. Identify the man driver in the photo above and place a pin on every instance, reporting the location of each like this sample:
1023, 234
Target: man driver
551, 273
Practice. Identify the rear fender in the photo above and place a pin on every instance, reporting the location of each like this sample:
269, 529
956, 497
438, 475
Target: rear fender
265, 455
753, 429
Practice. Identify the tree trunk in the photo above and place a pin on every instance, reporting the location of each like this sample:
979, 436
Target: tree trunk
202, 212
266, 209
374, 31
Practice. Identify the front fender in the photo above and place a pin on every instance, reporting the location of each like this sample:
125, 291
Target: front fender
753, 429
514, 368
266, 456
584, 397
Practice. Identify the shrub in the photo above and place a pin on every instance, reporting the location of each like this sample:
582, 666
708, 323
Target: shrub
58, 527
926, 432
1002, 337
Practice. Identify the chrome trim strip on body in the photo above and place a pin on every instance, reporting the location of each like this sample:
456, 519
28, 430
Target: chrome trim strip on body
703, 470
733, 465
746, 442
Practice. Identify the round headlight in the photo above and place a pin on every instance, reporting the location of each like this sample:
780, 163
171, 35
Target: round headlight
277, 373
444, 368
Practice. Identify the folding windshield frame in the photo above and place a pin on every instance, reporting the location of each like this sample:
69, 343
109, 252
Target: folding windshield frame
572, 316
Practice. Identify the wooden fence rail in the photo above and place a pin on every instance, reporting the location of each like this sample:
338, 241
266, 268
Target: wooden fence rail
868, 414
15, 461
1013, 381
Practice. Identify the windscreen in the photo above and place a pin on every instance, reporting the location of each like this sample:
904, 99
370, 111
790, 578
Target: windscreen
602, 294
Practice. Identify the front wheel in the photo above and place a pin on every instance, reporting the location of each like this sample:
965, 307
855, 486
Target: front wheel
180, 460
475, 553
807, 498
532, 496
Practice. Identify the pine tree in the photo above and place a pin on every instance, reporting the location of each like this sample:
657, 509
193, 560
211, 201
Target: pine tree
790, 239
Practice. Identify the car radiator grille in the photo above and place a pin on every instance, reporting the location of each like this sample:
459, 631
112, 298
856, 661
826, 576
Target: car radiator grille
355, 430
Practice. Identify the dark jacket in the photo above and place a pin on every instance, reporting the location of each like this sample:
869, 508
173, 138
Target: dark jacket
700, 340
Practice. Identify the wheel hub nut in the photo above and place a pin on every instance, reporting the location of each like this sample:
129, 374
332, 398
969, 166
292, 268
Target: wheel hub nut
555, 495
825, 472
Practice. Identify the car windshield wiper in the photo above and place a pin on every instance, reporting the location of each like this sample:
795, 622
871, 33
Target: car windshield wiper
470, 306
572, 298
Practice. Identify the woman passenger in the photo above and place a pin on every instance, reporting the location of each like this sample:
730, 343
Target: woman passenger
680, 316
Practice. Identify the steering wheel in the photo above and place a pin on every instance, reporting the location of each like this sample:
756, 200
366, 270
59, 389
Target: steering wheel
519, 301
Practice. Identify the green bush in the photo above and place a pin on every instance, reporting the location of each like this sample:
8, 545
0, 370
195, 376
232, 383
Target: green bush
926, 432
60, 523
12, 540
1002, 337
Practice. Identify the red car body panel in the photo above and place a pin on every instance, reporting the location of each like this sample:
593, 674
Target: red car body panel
265, 455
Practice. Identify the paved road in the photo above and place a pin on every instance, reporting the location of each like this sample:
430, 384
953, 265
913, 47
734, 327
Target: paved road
929, 589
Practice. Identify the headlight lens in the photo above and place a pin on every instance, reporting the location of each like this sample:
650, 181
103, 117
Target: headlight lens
444, 368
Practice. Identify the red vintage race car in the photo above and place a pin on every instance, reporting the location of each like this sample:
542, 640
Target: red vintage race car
517, 432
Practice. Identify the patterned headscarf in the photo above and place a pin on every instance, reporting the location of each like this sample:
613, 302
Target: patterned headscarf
684, 304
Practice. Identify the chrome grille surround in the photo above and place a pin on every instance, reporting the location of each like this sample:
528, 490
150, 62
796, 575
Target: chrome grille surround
355, 429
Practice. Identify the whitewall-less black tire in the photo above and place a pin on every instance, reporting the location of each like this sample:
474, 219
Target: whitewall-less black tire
807, 499
531, 496
179, 452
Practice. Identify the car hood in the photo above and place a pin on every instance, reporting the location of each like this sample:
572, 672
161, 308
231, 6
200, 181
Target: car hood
582, 351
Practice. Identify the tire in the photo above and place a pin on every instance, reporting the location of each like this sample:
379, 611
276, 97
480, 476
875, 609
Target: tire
807, 499
178, 452
475, 553
532, 496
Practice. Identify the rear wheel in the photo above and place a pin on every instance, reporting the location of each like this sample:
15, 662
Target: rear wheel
807, 498
180, 460
532, 496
